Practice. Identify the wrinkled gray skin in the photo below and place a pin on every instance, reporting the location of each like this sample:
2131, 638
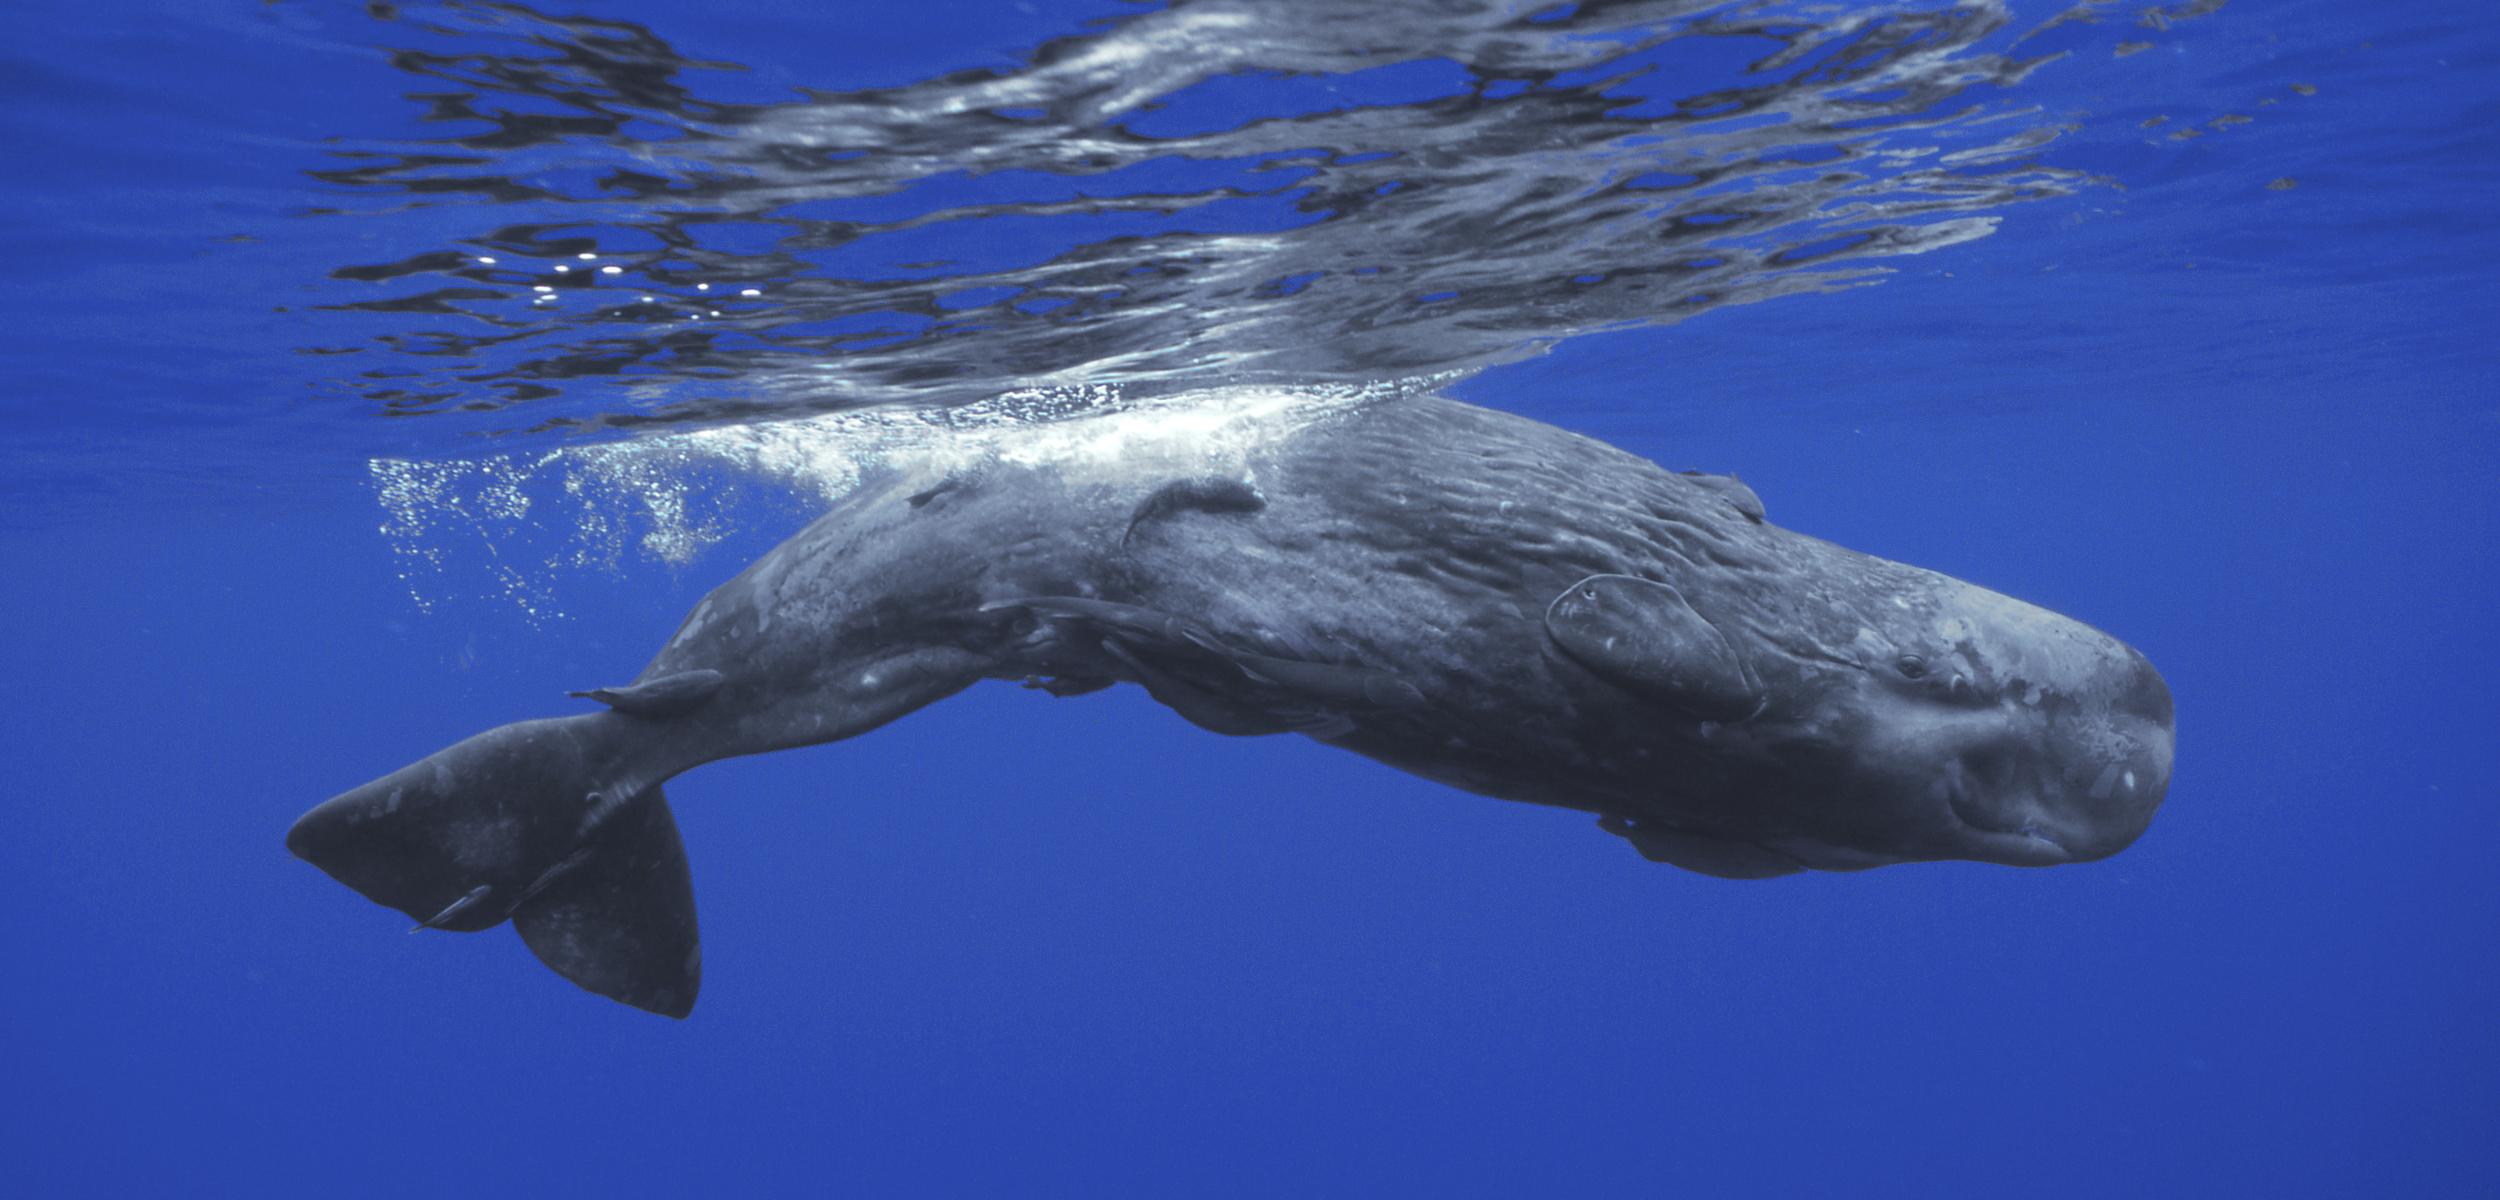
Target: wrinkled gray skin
1471, 596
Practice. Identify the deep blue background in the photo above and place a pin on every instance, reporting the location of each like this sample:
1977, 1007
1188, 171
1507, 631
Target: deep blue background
1077, 946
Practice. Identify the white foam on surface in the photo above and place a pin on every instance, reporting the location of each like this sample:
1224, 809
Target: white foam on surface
526, 520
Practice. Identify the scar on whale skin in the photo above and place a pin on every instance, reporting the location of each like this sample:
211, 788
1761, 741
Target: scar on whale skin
1210, 494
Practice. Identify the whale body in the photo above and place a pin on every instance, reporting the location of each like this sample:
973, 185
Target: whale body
1468, 595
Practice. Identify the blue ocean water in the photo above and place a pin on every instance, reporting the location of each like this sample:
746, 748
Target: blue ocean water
2176, 319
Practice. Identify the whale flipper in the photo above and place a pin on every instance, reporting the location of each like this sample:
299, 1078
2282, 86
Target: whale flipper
1643, 635
618, 917
666, 696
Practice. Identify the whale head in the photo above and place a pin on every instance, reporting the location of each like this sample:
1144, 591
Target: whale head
1831, 710
1956, 722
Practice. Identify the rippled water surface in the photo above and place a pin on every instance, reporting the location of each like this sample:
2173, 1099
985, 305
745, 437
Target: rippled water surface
1211, 191
378, 372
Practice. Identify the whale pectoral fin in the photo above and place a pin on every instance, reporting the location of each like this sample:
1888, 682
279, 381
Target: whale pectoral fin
1643, 635
617, 917
666, 696
1718, 857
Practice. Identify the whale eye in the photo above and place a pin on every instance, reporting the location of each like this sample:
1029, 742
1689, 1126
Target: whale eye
1911, 666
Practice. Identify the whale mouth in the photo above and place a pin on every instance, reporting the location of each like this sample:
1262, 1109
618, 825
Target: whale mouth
2026, 843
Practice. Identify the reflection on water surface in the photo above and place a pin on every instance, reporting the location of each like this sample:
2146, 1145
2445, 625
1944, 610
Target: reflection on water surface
1209, 192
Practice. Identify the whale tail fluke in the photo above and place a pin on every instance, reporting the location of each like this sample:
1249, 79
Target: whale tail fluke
621, 922
530, 823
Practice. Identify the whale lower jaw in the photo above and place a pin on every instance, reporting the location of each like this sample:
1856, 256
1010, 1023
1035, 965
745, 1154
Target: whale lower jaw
2024, 845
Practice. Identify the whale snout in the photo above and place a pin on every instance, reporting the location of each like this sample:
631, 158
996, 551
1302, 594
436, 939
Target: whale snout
2081, 786
2124, 771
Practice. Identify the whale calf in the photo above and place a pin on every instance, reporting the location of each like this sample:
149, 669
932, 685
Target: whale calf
1468, 595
